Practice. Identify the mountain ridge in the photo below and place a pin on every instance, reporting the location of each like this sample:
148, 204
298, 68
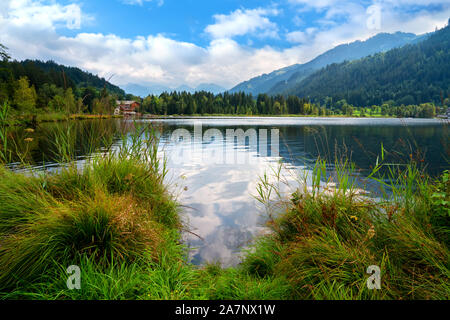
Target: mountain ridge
281, 79
68, 76
413, 74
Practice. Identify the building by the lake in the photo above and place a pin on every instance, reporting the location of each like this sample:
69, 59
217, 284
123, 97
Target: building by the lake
127, 108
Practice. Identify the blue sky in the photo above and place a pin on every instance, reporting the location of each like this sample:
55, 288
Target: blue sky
176, 42
185, 20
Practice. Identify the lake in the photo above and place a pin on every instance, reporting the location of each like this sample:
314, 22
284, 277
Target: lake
215, 163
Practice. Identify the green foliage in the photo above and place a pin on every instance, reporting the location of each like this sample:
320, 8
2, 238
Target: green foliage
35, 87
440, 204
410, 75
116, 220
281, 80
184, 103
4, 152
3, 53
24, 96
261, 259
204, 103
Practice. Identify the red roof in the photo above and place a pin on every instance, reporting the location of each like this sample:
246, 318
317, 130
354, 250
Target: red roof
128, 105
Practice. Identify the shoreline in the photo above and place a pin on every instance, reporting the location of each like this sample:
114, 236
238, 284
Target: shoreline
28, 120
232, 116
117, 221
280, 117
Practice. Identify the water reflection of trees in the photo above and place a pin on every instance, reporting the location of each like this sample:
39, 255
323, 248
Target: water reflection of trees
298, 145
362, 144
38, 146
301, 145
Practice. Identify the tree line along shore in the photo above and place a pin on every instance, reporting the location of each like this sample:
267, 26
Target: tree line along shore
39, 91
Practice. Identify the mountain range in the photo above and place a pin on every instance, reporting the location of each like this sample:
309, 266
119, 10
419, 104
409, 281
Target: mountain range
413, 74
39, 72
157, 89
283, 80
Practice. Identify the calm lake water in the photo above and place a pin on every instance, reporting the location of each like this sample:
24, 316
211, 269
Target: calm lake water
215, 178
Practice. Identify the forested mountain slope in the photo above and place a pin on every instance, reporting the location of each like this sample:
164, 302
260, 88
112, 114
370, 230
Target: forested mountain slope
413, 74
33, 86
39, 72
283, 79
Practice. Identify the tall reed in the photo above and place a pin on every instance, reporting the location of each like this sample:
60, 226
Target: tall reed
5, 155
327, 235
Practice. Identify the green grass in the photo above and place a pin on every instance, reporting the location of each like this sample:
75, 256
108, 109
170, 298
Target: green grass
113, 213
115, 219
13, 119
323, 242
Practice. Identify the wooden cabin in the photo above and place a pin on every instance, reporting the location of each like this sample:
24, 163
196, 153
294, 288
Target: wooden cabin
127, 107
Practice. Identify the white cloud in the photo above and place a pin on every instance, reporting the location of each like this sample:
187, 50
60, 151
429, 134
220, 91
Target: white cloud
155, 58
159, 3
297, 21
318, 4
241, 22
414, 2
353, 22
30, 30
40, 14
300, 36
296, 37
321, 4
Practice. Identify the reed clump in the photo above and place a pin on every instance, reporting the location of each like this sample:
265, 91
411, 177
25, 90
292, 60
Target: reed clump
113, 211
322, 242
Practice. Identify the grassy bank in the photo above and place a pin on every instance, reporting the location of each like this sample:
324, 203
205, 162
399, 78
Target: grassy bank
115, 219
324, 239
325, 236
32, 120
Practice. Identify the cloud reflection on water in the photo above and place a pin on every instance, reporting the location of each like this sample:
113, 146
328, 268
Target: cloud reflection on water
222, 209
219, 196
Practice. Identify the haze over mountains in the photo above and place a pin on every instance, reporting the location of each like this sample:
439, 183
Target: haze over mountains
157, 89
282, 80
